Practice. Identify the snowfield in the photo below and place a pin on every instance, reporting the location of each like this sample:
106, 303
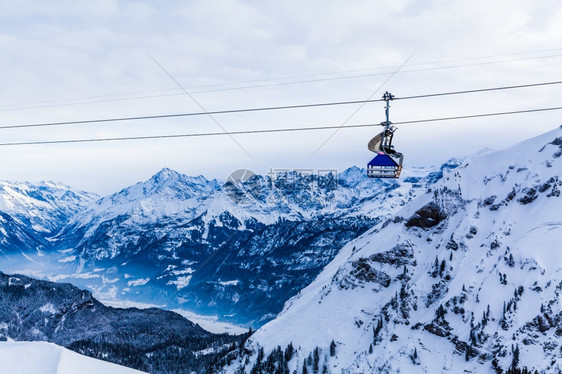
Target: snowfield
48, 358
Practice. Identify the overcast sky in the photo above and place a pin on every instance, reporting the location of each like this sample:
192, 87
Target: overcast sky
79, 60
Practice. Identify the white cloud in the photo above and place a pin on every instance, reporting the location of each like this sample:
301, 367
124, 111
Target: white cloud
69, 50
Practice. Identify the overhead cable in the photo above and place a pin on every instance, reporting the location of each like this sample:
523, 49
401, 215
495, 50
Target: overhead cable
281, 130
284, 107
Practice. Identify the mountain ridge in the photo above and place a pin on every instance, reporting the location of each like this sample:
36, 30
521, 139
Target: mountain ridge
181, 242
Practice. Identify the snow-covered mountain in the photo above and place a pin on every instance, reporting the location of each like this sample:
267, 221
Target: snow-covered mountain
42, 207
185, 242
29, 213
465, 278
49, 358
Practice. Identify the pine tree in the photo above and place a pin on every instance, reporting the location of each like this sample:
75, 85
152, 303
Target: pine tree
403, 292
285, 367
394, 301
440, 312
515, 360
289, 352
258, 365
511, 261
376, 331
332, 348
435, 268
316, 361
442, 268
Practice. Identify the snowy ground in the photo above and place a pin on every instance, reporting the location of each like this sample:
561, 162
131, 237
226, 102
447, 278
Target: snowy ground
48, 358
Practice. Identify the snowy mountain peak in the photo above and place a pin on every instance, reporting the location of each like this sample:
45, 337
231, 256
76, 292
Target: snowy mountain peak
352, 175
164, 174
169, 177
166, 193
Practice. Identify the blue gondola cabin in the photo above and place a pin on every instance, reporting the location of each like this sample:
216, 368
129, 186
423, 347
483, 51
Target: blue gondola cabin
383, 166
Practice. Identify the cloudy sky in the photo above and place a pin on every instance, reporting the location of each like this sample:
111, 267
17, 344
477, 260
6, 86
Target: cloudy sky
70, 60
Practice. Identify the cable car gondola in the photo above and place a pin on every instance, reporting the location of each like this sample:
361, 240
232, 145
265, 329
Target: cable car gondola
387, 163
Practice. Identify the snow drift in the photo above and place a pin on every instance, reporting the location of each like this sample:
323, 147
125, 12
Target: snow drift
49, 358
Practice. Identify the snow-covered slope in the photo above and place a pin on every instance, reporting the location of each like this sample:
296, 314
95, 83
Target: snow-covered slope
466, 278
49, 358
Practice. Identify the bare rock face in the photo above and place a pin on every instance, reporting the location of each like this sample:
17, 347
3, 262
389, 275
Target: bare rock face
364, 272
399, 255
428, 216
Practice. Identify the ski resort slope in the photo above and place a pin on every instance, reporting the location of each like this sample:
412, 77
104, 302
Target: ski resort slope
48, 358
465, 278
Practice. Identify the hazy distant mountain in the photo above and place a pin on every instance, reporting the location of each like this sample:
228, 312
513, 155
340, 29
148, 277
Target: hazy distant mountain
187, 242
